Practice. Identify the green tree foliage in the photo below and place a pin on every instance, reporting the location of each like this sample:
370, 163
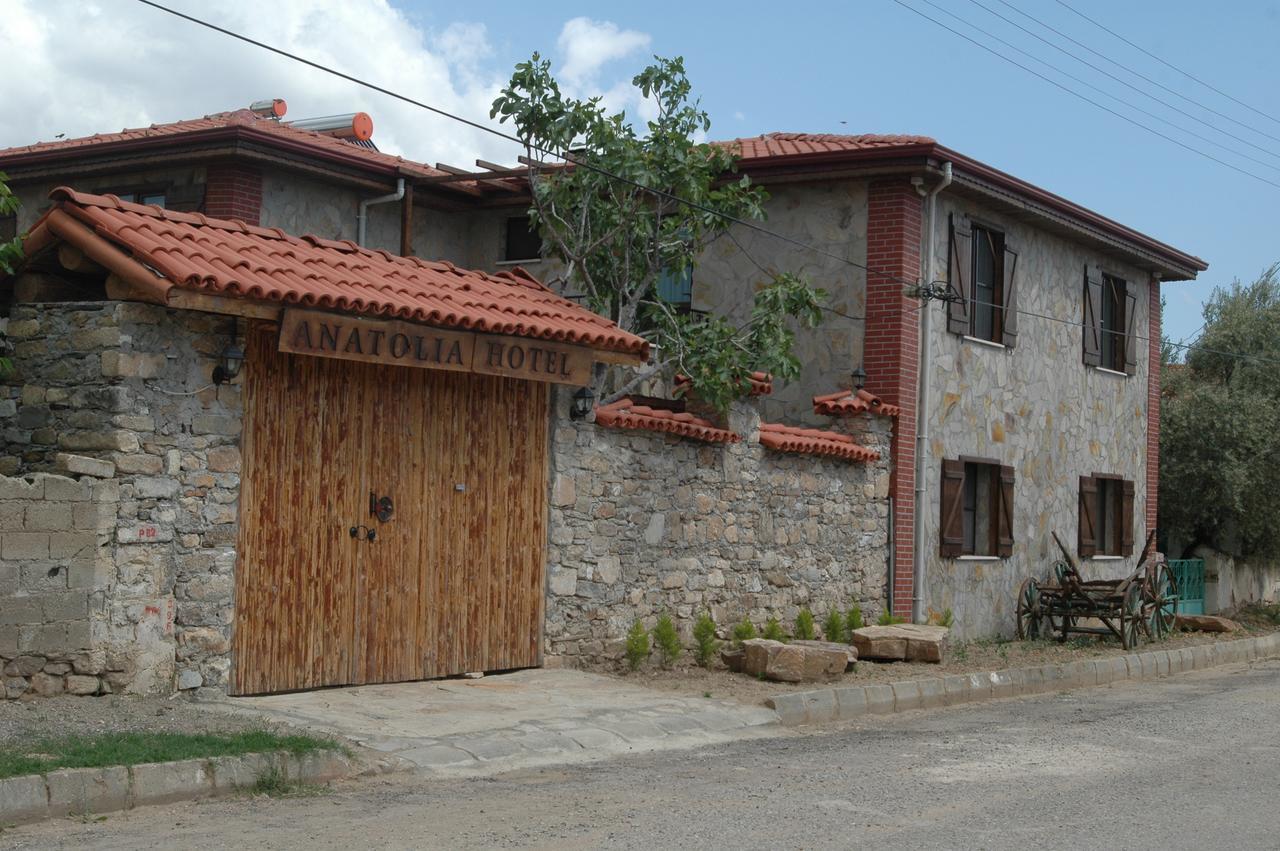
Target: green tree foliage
804, 625
834, 628
616, 238
888, 618
853, 619
637, 647
705, 644
667, 641
773, 630
11, 251
1220, 426
744, 630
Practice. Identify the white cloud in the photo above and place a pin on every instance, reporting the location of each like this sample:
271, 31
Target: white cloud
90, 68
586, 46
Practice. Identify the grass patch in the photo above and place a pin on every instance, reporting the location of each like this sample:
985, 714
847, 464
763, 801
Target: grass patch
273, 784
38, 757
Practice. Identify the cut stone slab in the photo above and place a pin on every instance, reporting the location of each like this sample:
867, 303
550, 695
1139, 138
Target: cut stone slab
793, 663
851, 654
1206, 623
901, 642
84, 466
733, 659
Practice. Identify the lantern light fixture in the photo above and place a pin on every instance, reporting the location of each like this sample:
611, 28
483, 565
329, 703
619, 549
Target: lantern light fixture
859, 378
231, 359
583, 402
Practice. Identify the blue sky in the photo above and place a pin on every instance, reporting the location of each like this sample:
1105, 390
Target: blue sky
856, 67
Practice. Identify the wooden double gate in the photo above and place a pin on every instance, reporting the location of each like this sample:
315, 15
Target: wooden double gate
452, 579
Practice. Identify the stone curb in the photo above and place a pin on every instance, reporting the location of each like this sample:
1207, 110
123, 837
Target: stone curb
78, 791
848, 702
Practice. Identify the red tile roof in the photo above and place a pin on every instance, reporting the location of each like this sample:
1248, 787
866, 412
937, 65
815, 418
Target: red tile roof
812, 441
761, 383
269, 129
844, 402
799, 144
625, 413
230, 258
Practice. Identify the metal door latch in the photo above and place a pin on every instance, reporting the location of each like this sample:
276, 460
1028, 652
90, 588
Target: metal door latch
381, 507
364, 532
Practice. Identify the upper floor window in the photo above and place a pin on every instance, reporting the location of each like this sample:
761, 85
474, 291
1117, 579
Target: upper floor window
1110, 322
977, 508
523, 242
983, 278
1106, 516
144, 196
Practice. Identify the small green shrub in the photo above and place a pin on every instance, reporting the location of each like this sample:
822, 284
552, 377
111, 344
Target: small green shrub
705, 644
833, 627
773, 630
887, 618
853, 620
637, 649
744, 630
667, 641
804, 625
948, 618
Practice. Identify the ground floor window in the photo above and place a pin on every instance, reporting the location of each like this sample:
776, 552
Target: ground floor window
1106, 516
977, 508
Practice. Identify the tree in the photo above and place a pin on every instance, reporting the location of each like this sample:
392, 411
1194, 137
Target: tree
616, 237
1220, 426
11, 251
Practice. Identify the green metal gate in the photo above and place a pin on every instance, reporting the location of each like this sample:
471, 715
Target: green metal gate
1189, 574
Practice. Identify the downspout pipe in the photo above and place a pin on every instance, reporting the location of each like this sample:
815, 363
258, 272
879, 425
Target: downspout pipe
922, 406
362, 218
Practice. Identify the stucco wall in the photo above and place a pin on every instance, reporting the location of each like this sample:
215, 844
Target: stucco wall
1035, 407
644, 523
830, 214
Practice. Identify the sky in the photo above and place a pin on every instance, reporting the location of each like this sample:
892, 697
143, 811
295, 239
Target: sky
869, 66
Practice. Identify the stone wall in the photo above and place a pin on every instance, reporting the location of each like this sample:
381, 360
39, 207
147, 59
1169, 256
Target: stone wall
1035, 407
128, 385
643, 523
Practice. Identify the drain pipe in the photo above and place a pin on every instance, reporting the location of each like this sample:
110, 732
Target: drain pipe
362, 218
922, 405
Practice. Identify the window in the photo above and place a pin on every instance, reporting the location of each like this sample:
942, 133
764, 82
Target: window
523, 242
676, 288
142, 197
983, 284
1110, 318
1106, 516
986, 310
976, 508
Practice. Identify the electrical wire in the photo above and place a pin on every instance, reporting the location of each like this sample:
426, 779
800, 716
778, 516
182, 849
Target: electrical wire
1084, 98
1105, 93
1168, 64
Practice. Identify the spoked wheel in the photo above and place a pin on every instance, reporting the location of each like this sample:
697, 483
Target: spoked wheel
1132, 616
1162, 601
1030, 617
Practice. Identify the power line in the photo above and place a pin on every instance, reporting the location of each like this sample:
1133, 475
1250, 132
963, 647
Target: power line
1168, 64
1084, 98
1139, 74
1106, 93
576, 160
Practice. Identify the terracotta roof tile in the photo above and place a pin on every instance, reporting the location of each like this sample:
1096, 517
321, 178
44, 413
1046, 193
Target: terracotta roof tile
812, 441
799, 144
625, 413
231, 258
237, 118
844, 402
761, 384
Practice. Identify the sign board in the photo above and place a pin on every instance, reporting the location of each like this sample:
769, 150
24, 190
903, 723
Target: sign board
396, 343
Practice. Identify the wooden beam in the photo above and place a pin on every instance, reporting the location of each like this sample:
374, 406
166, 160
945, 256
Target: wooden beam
624, 358
121, 290
34, 287
207, 303
406, 221
488, 166
73, 259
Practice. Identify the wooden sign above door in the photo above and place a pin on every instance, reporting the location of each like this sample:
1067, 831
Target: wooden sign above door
396, 343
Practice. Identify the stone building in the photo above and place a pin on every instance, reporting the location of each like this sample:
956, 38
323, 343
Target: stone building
805, 497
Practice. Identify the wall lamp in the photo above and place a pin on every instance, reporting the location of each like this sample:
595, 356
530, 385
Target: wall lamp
231, 359
583, 402
859, 378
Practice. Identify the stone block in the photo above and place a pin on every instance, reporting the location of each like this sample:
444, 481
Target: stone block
214, 424
1206, 623
12, 488
48, 516
322, 766
879, 699
980, 686
912, 642
932, 693
240, 772
147, 465
116, 440
64, 488
116, 364
46, 685
84, 466
24, 546
819, 706
155, 488
166, 782
23, 800
1147, 661
563, 582
955, 689
906, 695
850, 702
226, 459
1001, 684
83, 791
82, 684
72, 605
24, 666
1111, 669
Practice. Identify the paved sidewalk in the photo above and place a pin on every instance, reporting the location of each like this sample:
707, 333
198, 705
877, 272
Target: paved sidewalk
506, 721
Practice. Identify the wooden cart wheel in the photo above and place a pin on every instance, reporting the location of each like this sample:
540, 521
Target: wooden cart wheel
1132, 616
1029, 614
1162, 601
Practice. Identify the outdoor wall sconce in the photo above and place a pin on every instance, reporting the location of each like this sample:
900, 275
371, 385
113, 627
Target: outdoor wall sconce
231, 358
859, 378
583, 401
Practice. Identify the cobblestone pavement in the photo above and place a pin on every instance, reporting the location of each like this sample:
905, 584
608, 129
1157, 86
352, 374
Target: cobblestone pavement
1185, 762
498, 723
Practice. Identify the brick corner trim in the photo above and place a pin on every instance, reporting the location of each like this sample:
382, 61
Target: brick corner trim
234, 191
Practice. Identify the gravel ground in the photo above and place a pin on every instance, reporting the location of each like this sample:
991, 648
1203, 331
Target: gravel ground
1185, 762
66, 715
963, 658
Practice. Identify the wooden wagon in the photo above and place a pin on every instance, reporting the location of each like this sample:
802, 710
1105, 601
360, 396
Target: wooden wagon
1142, 604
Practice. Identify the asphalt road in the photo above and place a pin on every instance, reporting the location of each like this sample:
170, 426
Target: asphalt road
1187, 762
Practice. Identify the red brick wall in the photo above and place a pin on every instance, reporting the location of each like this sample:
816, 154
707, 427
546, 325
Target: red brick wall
233, 192
891, 351
1153, 403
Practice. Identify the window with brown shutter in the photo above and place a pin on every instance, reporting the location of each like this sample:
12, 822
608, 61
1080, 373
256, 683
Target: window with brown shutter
959, 272
1110, 322
976, 508
1106, 516
951, 500
983, 278
1092, 316
1009, 325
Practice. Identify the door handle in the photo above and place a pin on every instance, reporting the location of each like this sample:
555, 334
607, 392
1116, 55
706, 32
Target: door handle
364, 532
381, 507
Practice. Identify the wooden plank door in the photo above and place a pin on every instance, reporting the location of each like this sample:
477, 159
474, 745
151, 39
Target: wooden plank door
453, 582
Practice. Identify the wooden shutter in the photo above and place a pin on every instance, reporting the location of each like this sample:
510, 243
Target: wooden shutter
1088, 526
961, 274
1126, 519
1009, 327
1092, 316
1004, 513
1131, 329
951, 529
